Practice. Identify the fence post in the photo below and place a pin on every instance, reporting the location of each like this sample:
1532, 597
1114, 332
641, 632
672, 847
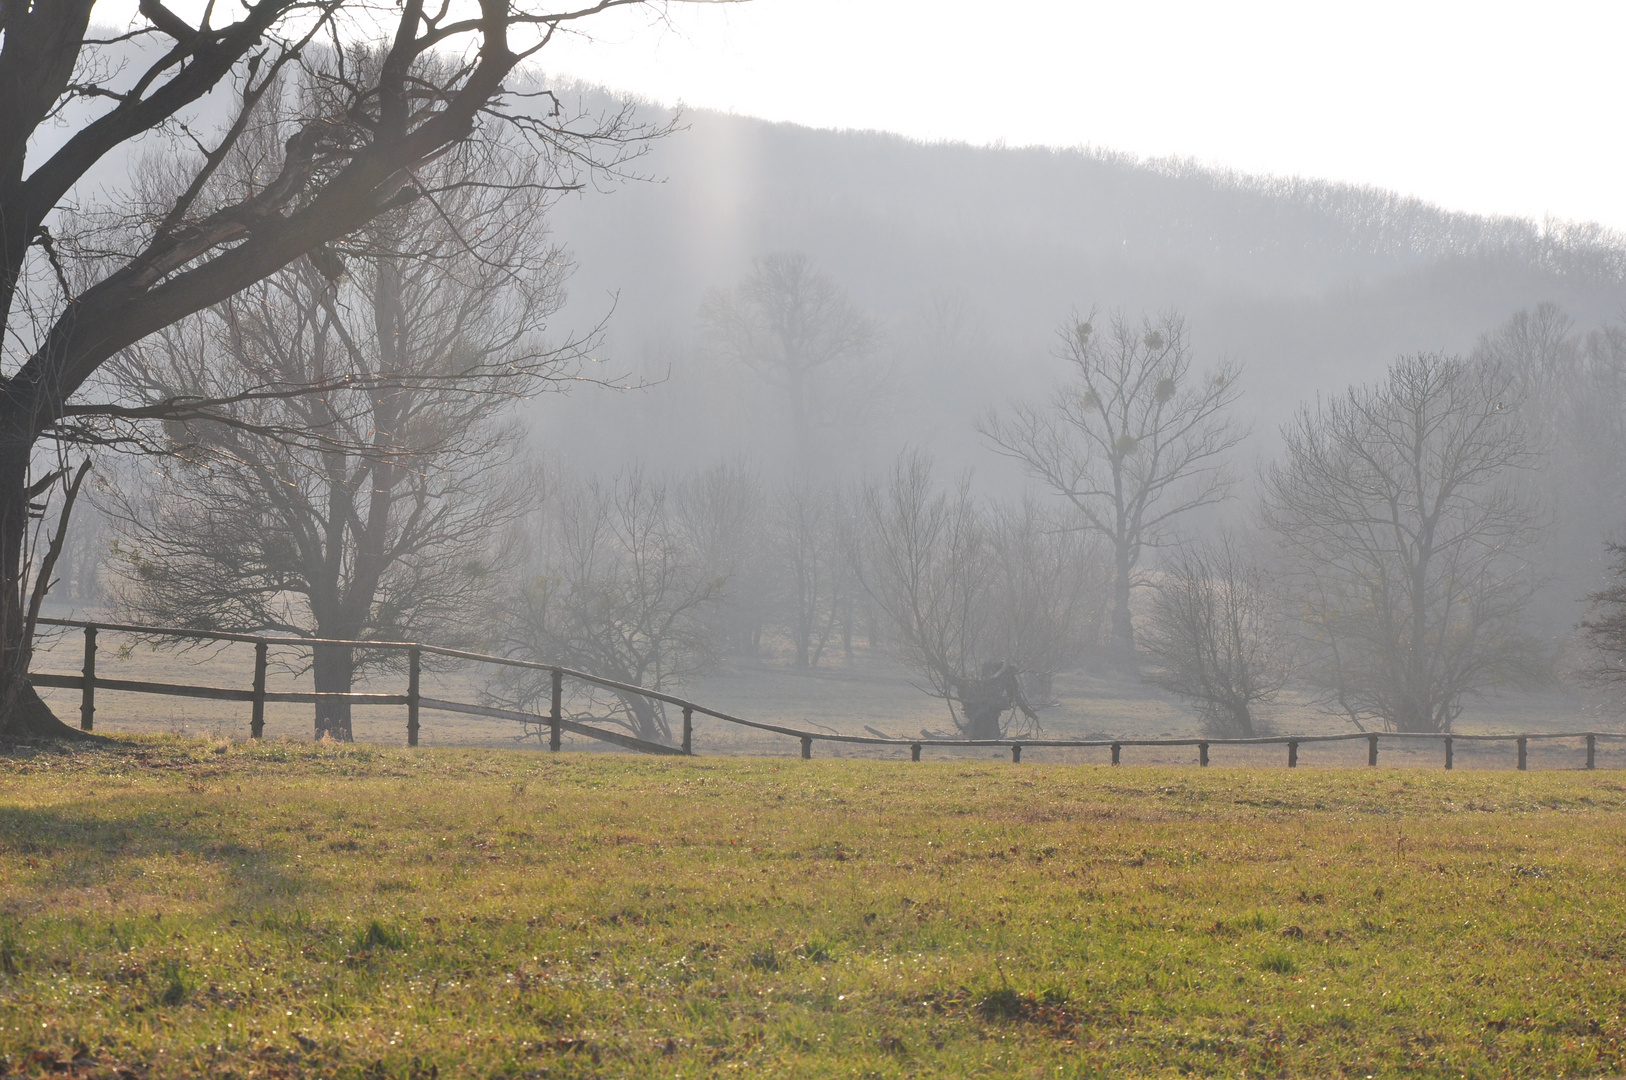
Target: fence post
256, 720
1448, 753
1371, 749
558, 709
914, 752
1591, 751
1292, 753
1521, 752
688, 730
1016, 753
1202, 753
1116, 750
87, 693
414, 670
807, 747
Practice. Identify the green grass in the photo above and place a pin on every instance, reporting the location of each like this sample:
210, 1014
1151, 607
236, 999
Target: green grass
183, 908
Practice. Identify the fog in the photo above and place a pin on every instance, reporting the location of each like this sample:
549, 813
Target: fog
846, 402
970, 259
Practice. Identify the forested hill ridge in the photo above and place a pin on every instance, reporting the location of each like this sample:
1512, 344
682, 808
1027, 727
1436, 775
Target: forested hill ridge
970, 257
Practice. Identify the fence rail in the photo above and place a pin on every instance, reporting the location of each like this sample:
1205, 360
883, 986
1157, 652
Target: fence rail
87, 682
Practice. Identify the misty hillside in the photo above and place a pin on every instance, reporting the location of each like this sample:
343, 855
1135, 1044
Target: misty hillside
971, 257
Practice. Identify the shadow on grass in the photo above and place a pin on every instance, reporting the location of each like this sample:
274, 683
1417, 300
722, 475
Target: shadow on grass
90, 843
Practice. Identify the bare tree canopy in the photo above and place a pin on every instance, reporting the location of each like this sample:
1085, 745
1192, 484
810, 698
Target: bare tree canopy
1214, 634
924, 568
1570, 389
1133, 439
718, 513
612, 589
1606, 629
793, 326
344, 472
350, 141
1403, 523
978, 604
1049, 585
811, 552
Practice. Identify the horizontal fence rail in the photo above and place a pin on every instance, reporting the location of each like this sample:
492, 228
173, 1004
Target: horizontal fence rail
87, 683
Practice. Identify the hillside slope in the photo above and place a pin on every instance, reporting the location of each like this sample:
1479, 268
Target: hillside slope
1309, 284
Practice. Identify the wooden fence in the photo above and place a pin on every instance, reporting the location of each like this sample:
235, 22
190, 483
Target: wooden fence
87, 683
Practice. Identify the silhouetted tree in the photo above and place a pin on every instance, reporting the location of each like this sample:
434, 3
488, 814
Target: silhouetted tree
1570, 390
611, 589
925, 566
1051, 583
1215, 637
1606, 630
78, 288
719, 515
1399, 511
791, 325
1133, 439
976, 602
373, 507
810, 558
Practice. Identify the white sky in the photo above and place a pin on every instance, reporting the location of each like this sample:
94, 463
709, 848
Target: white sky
1490, 106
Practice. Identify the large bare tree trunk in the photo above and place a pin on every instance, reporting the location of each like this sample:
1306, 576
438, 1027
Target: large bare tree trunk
14, 648
33, 719
1123, 626
335, 669
23, 714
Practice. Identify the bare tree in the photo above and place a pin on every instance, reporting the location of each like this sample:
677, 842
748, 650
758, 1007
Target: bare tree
1541, 353
369, 498
981, 607
1134, 439
1598, 421
1048, 593
1570, 390
795, 328
811, 561
718, 513
79, 580
1399, 511
74, 293
1216, 637
612, 590
926, 568
1606, 630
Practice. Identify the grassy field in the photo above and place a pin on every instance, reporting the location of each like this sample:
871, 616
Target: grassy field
173, 907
